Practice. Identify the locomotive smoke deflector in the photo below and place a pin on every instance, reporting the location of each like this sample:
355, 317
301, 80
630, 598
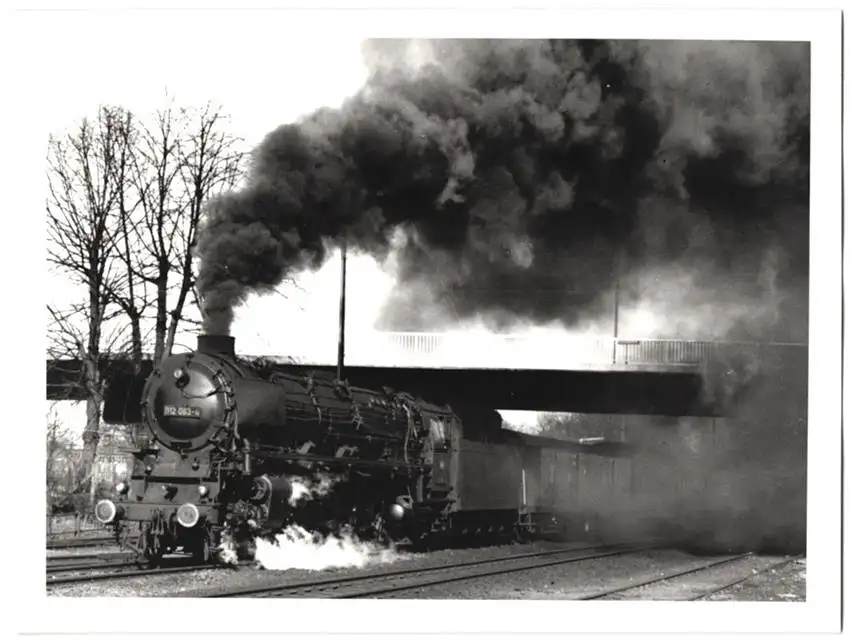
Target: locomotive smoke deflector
221, 344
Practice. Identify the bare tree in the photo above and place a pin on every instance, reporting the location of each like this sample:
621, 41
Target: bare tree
182, 159
63, 462
211, 162
84, 189
132, 299
66, 480
67, 334
124, 209
59, 460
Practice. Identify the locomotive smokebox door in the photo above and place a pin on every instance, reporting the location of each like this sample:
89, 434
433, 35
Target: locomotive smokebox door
441, 434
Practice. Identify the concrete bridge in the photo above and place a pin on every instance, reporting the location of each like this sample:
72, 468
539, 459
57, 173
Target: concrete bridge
545, 371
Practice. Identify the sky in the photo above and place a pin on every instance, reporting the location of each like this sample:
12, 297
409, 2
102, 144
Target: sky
309, 73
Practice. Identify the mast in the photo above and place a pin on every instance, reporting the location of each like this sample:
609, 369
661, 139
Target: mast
340, 354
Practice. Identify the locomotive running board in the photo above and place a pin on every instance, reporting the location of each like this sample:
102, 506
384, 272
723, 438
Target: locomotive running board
296, 458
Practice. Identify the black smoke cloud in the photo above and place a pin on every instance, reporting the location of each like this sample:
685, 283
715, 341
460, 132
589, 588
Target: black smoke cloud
522, 172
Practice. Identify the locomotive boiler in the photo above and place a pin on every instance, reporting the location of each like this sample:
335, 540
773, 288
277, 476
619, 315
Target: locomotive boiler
233, 442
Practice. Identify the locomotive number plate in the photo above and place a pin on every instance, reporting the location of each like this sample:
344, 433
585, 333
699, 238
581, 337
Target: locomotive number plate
171, 411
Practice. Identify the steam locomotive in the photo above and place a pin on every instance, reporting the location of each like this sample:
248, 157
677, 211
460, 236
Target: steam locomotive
231, 440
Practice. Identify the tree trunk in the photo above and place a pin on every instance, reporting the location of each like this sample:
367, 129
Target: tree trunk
177, 313
91, 434
136, 330
161, 314
169, 338
91, 438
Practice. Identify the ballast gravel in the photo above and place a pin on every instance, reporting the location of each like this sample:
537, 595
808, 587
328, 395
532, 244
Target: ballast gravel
786, 583
224, 578
566, 582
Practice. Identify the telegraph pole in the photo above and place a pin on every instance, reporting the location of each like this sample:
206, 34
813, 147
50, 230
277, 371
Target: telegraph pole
340, 354
616, 307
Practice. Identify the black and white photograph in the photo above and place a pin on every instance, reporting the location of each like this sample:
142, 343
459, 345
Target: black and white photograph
346, 309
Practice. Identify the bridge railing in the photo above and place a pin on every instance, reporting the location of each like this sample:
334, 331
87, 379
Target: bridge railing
665, 351
459, 350
530, 351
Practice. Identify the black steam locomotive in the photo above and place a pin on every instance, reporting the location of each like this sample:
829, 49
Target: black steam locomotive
234, 443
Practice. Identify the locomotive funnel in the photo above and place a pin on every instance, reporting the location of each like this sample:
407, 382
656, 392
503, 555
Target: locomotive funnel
221, 344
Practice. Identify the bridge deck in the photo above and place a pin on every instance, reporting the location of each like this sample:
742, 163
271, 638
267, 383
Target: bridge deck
580, 374
485, 352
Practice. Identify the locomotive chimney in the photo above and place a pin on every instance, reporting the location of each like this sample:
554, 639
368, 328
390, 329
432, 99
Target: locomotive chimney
221, 344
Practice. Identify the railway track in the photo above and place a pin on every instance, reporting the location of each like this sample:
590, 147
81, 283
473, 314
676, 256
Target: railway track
60, 563
87, 568
72, 574
65, 573
78, 543
382, 583
699, 594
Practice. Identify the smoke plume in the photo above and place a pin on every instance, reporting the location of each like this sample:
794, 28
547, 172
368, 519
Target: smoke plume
712, 484
513, 183
526, 175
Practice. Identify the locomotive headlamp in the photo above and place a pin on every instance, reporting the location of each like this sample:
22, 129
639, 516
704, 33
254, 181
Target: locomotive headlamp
105, 511
188, 515
121, 488
203, 490
396, 511
181, 377
148, 469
